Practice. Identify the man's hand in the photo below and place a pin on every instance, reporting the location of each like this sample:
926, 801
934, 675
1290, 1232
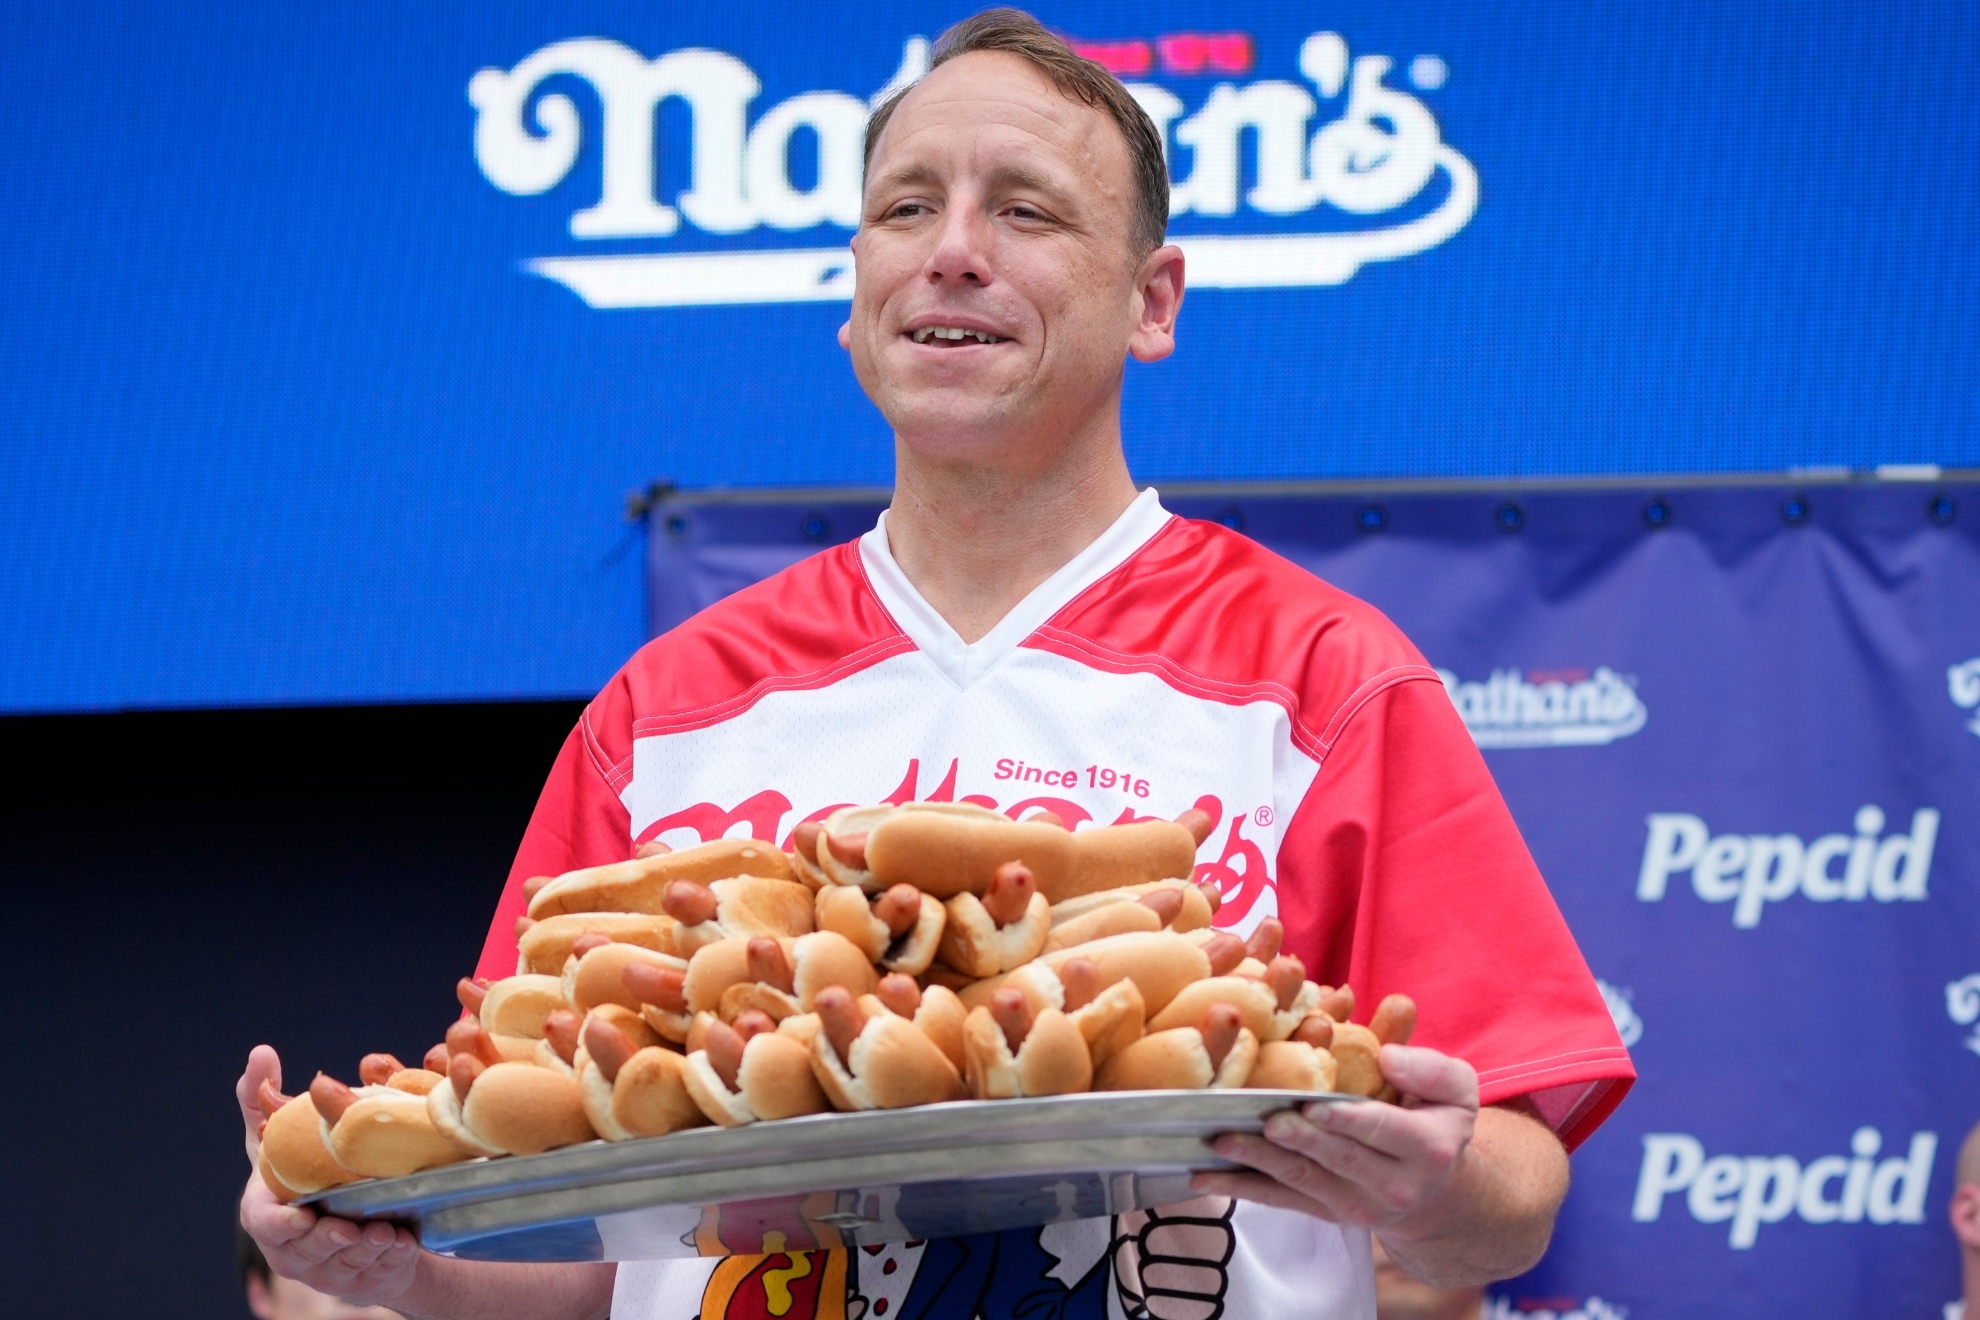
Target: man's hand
370, 1264
1457, 1196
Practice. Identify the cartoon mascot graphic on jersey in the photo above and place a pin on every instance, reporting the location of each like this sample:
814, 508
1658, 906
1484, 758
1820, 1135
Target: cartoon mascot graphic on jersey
1167, 1264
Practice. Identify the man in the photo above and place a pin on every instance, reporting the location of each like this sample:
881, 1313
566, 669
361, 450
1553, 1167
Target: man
1021, 607
1965, 1215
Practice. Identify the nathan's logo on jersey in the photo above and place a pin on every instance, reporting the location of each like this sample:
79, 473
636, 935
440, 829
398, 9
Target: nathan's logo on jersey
1963, 1007
1345, 166
1240, 869
1621, 1012
1562, 708
1749, 1191
1752, 870
1963, 685
1552, 1308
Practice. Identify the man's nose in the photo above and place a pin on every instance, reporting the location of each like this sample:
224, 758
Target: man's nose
962, 248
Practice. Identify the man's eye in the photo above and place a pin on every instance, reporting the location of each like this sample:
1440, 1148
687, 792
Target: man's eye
908, 209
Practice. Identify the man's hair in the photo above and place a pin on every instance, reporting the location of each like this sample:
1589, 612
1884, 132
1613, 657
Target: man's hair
1018, 33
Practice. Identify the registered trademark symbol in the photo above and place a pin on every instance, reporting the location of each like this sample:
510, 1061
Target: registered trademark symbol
1263, 816
1428, 72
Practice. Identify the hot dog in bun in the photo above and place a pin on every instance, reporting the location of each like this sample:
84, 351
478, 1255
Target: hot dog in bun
638, 885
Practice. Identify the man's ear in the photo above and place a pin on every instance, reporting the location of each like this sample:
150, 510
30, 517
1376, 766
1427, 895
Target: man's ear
846, 326
1158, 297
1965, 1215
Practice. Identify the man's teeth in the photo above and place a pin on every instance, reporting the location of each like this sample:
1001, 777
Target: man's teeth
929, 332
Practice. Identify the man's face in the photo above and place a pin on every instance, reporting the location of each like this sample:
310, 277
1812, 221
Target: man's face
998, 207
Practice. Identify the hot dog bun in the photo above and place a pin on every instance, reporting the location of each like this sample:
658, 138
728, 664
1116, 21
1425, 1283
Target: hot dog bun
517, 1005
1177, 1059
545, 946
388, 1134
1252, 1000
293, 1149
774, 1081
750, 905
599, 977
522, 1109
1292, 1065
1052, 1060
637, 886
891, 1065
975, 945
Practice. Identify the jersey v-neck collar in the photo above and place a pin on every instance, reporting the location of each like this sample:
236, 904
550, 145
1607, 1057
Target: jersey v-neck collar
964, 663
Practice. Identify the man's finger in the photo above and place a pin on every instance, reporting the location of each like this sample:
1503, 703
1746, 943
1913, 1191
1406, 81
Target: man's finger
1428, 1135
1296, 1173
1430, 1075
267, 1220
262, 1064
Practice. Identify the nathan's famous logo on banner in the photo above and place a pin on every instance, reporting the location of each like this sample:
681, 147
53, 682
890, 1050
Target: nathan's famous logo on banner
1752, 870
1963, 1007
1564, 708
1963, 685
1749, 1191
1347, 166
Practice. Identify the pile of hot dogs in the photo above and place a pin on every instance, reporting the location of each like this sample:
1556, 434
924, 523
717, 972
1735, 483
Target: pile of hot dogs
898, 956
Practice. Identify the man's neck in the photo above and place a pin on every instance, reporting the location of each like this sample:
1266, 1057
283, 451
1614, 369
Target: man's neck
976, 540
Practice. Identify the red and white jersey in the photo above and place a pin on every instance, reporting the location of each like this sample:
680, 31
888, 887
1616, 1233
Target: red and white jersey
1170, 664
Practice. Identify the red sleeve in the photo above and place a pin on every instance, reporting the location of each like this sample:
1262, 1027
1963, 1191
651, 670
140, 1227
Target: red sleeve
579, 821
1403, 871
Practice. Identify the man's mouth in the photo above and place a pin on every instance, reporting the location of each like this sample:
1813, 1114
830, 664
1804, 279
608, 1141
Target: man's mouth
954, 334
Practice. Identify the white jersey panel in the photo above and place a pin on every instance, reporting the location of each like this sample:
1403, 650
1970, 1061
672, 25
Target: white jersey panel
1040, 726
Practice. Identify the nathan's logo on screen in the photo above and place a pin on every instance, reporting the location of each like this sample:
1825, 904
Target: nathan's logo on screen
1552, 1308
1963, 685
1963, 1007
1750, 871
1564, 708
1749, 1191
1345, 165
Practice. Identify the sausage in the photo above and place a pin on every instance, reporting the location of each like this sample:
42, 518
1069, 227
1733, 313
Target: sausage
462, 1069
534, 886
523, 926
588, 941
1045, 818
768, 965
1225, 951
269, 1098
1221, 1024
663, 987
805, 837
687, 902
1198, 822
436, 1060
898, 909
899, 993
562, 1029
1012, 1013
724, 1046
651, 848
753, 1022
467, 1037
1394, 1020
331, 1097
377, 1069
851, 850
1212, 894
1315, 1029
1265, 941
470, 993
840, 1017
1337, 1004
1165, 903
1080, 978
608, 1046
1010, 893
1284, 975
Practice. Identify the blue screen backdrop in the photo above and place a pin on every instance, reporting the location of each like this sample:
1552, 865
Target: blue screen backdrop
308, 400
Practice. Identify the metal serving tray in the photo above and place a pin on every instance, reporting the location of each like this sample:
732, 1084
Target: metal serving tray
829, 1180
